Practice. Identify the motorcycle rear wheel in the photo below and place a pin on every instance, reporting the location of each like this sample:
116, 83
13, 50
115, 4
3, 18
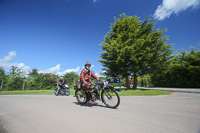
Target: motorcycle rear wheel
81, 96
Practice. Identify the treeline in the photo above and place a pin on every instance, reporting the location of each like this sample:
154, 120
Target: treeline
183, 70
15, 79
134, 48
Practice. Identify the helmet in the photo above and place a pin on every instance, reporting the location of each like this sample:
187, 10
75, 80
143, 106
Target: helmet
87, 64
61, 78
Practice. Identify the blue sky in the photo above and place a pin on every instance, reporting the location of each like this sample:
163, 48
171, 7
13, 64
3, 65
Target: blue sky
59, 36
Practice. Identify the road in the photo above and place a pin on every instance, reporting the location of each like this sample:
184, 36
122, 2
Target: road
176, 113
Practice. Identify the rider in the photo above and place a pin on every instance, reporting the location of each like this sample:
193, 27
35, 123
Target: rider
62, 83
85, 76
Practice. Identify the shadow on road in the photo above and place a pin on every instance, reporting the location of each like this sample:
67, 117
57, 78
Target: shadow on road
89, 105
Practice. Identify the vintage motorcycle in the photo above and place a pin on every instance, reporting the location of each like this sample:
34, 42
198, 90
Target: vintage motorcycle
63, 91
109, 95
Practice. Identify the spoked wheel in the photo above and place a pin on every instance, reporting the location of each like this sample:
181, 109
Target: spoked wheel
110, 98
67, 91
81, 96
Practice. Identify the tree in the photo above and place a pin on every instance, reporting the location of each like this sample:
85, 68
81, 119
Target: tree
15, 72
2, 77
15, 81
42, 81
186, 70
70, 77
183, 70
133, 47
33, 72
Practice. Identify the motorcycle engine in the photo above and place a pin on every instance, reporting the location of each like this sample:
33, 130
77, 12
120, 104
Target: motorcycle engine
95, 95
62, 91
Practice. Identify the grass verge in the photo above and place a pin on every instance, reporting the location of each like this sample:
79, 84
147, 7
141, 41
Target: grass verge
124, 92
142, 92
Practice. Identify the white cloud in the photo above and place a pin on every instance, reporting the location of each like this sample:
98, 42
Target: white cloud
170, 7
6, 64
94, 1
52, 70
68, 71
56, 70
98, 74
11, 56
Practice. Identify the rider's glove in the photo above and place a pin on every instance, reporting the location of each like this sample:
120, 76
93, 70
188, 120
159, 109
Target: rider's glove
99, 80
86, 84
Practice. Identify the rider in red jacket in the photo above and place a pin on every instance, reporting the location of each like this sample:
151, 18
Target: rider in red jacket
85, 76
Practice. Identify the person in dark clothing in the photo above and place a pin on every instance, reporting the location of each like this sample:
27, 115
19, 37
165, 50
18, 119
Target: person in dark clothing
62, 83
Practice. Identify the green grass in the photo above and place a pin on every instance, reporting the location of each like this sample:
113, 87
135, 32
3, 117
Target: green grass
124, 92
28, 92
139, 92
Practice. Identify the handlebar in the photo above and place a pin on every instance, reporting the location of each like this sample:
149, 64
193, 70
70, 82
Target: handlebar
101, 83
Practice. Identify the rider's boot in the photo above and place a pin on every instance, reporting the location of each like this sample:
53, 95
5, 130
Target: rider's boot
90, 97
90, 102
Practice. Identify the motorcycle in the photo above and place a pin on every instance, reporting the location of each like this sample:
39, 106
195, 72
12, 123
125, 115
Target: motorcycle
63, 90
109, 95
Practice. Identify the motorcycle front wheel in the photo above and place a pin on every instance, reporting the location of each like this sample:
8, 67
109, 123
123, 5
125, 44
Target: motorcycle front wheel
110, 98
67, 91
81, 96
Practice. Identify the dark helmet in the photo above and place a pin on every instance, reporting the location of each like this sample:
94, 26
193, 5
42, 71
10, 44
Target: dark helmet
61, 79
87, 64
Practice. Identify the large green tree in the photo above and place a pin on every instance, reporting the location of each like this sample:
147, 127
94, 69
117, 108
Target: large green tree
133, 47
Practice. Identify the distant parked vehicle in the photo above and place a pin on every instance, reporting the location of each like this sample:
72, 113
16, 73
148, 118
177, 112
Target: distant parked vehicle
131, 82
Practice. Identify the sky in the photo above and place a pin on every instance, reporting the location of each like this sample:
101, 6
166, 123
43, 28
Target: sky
59, 36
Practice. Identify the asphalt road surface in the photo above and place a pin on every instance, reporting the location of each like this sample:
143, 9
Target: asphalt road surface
176, 113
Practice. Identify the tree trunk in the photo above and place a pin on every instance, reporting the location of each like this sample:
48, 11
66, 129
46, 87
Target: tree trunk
57, 83
2, 85
127, 82
146, 82
24, 84
135, 82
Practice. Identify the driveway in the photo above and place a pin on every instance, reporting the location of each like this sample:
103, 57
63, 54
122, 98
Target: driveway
176, 113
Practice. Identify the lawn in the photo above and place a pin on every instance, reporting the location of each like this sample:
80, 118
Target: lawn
142, 92
124, 92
